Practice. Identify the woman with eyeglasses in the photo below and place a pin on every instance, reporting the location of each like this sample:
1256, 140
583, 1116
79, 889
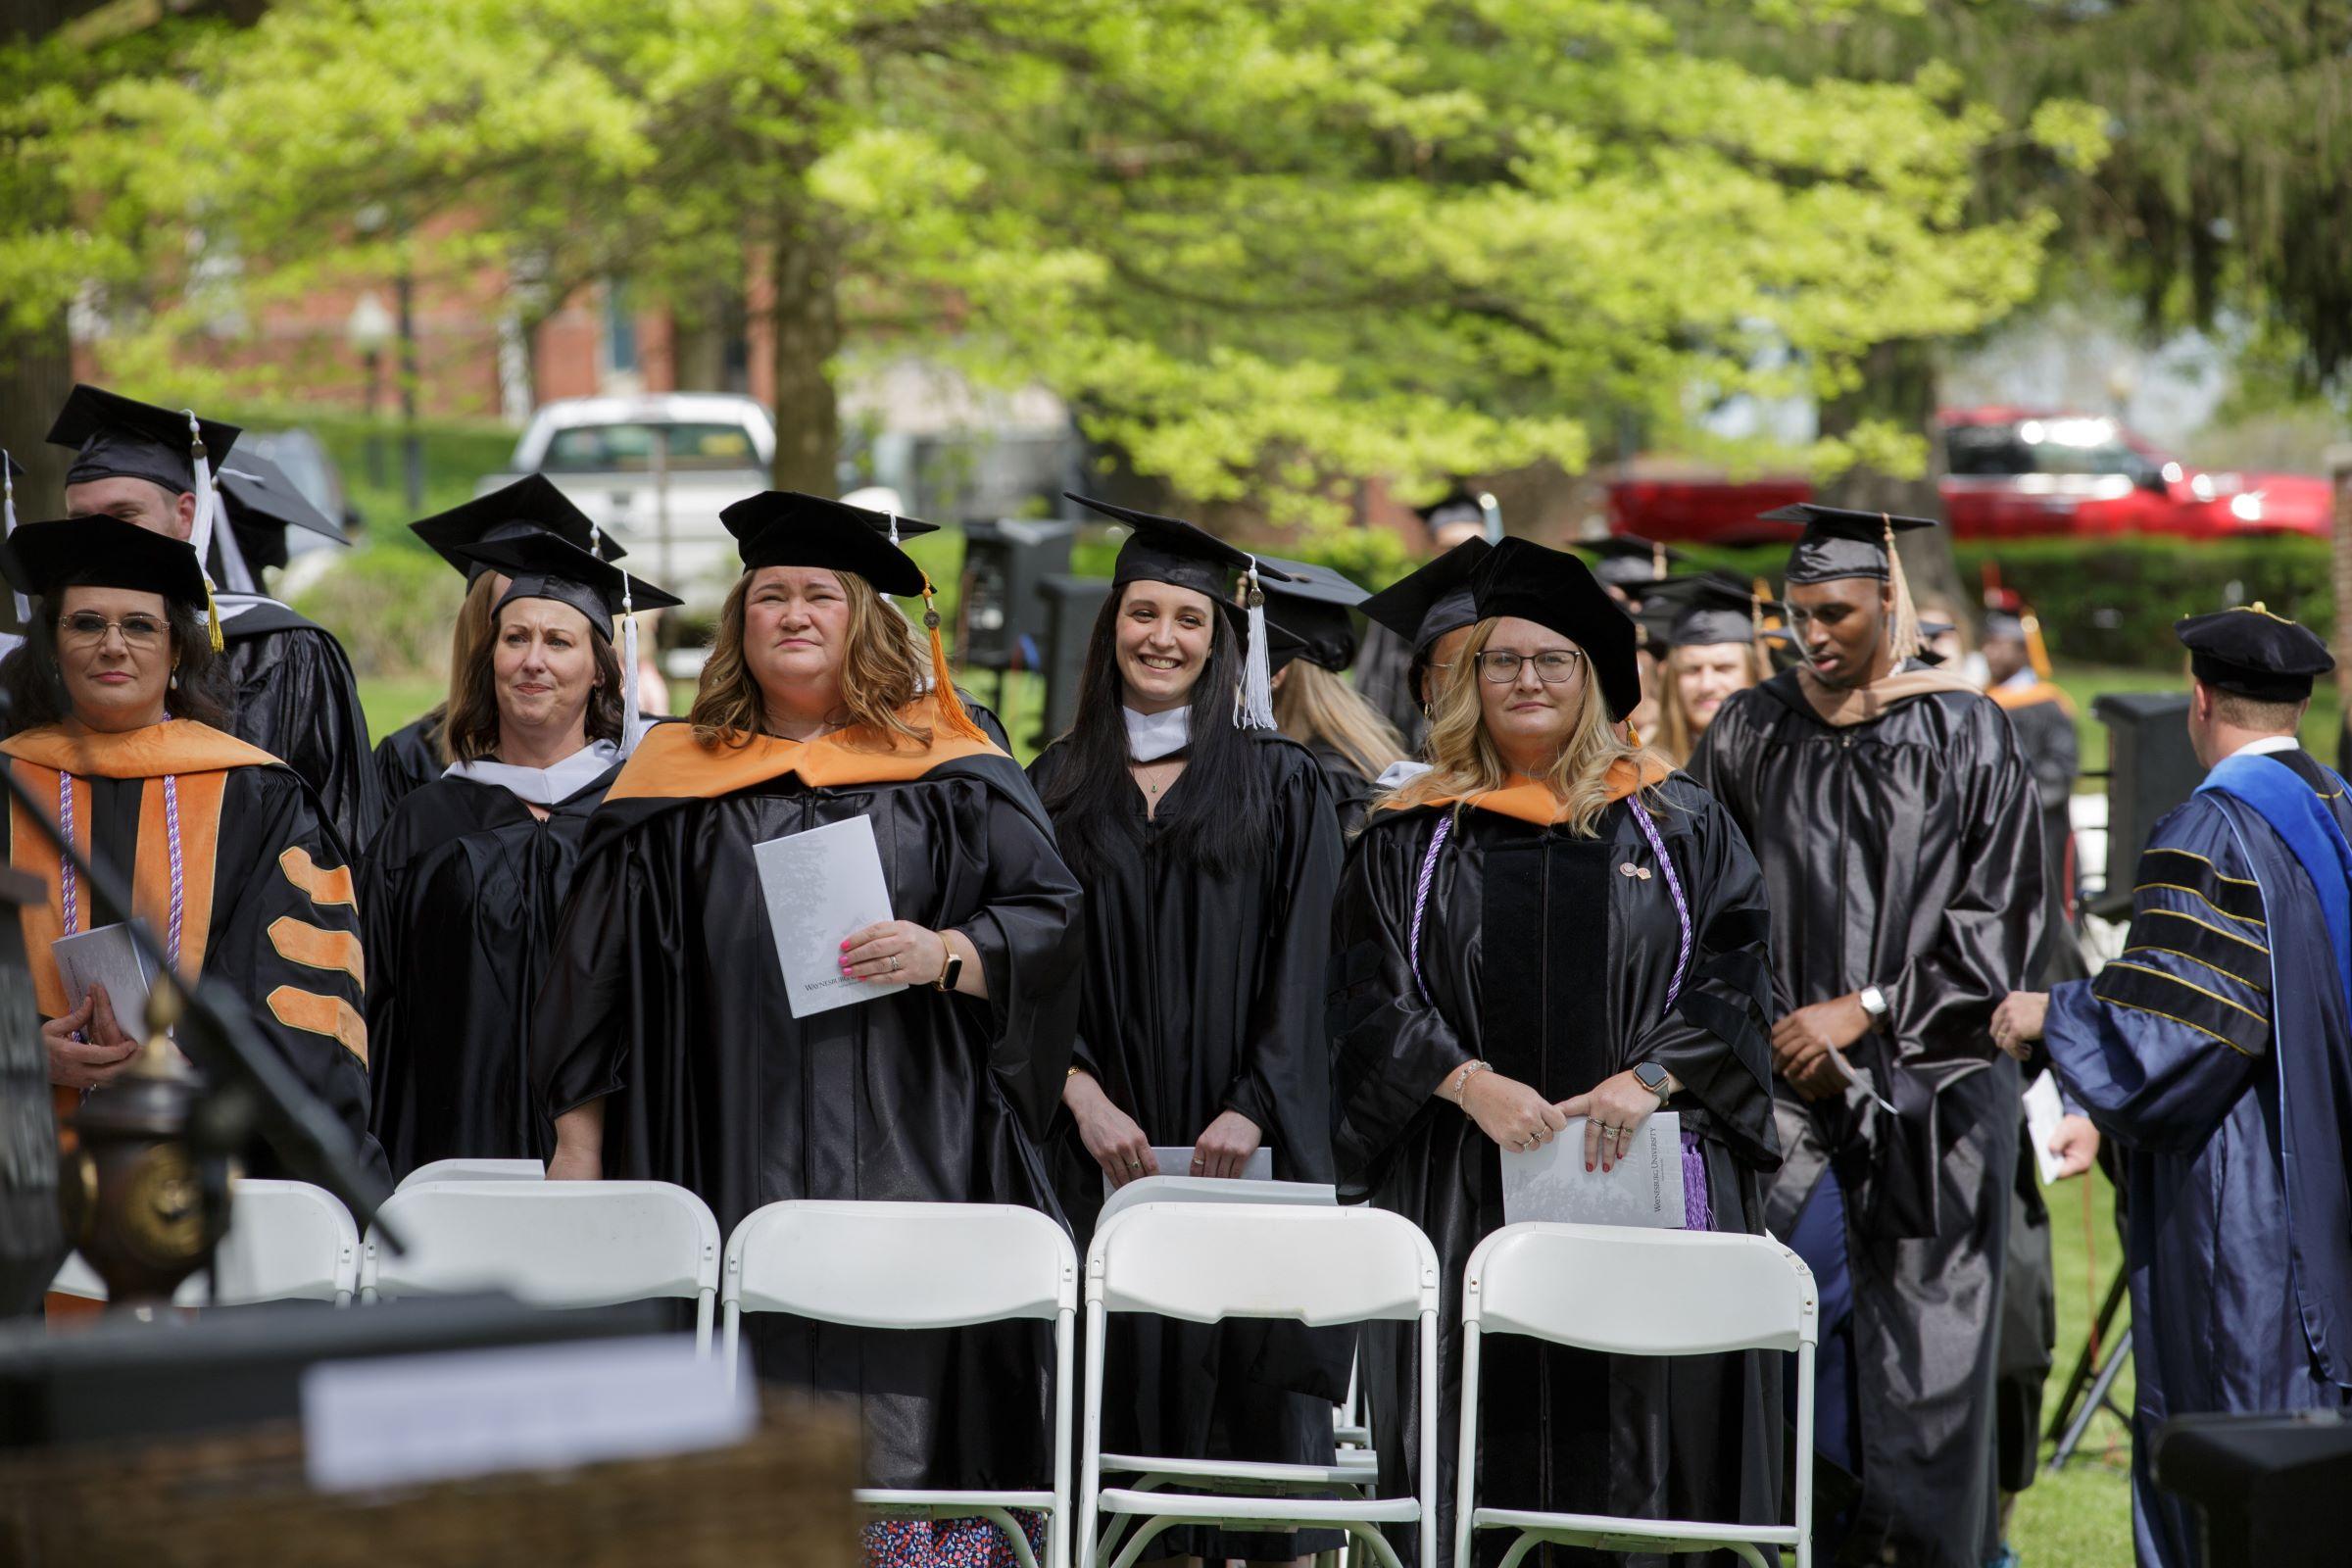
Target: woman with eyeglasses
116, 702
1550, 934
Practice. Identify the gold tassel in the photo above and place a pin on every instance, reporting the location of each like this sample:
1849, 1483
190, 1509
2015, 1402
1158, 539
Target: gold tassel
952, 717
1657, 562
212, 617
2037, 654
1903, 626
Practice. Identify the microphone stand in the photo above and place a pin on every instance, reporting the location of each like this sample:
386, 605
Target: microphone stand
244, 1088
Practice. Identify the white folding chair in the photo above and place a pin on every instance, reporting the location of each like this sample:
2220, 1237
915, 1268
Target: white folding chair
550, 1244
1630, 1292
475, 1170
286, 1242
918, 1266
1206, 1262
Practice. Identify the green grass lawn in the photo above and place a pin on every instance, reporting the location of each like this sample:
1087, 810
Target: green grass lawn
2082, 1516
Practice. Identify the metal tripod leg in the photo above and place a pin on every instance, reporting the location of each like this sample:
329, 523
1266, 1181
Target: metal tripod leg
2086, 1369
2098, 1399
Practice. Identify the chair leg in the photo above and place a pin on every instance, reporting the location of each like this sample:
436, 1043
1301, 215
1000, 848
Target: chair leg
1005, 1521
1527, 1540
1148, 1532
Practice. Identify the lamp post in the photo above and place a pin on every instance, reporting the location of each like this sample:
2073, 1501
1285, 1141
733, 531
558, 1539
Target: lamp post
367, 329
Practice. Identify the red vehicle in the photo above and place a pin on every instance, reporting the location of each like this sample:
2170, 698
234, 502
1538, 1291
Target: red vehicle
2009, 473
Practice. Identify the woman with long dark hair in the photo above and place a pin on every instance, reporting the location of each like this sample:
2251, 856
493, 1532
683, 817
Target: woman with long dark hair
461, 890
1209, 849
117, 697
665, 1042
1548, 925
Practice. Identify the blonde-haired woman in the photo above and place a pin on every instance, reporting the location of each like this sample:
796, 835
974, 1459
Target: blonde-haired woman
1550, 925
665, 1045
1312, 642
1715, 648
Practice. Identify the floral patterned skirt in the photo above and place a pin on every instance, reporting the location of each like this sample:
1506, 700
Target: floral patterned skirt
950, 1543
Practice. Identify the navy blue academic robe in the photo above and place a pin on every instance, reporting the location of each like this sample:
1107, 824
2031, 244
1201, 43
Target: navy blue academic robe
2217, 1051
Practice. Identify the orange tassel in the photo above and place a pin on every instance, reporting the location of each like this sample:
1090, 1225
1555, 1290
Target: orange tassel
952, 717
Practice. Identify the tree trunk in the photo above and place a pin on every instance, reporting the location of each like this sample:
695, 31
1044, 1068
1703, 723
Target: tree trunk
804, 335
1898, 386
37, 372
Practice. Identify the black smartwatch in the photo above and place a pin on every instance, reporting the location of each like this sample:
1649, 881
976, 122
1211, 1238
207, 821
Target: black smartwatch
1652, 1077
952, 971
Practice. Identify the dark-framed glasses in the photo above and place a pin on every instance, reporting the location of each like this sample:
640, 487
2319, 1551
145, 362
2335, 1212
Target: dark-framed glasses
86, 628
1500, 667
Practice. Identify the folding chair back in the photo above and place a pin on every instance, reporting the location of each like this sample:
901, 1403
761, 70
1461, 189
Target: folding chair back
1633, 1291
550, 1244
1203, 1262
1206, 1262
918, 1265
286, 1242
475, 1170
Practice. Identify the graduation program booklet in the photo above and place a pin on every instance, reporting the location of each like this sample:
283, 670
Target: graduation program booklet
1259, 1167
2044, 1112
105, 955
1644, 1188
821, 886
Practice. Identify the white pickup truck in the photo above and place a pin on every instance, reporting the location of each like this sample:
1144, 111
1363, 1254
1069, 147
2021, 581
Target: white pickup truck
655, 470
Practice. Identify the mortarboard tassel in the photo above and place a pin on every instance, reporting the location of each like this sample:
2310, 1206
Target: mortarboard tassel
1902, 627
894, 529
8, 518
628, 664
952, 717
207, 507
1253, 704
2037, 653
1657, 562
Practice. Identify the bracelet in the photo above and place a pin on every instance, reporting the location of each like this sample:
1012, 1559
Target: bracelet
1461, 1078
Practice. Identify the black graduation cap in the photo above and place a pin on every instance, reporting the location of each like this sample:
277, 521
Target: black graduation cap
530, 505
260, 497
1556, 590
1282, 645
117, 436
2002, 626
787, 528
1628, 562
1432, 600
2248, 650
1460, 505
1708, 609
1839, 542
542, 566
103, 553
1177, 553
1312, 609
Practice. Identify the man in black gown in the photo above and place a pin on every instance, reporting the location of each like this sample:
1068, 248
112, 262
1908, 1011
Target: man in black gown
295, 696
1900, 834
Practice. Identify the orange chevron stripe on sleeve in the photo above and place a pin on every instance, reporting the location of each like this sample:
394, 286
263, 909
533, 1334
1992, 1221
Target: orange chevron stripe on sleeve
316, 948
319, 884
317, 1014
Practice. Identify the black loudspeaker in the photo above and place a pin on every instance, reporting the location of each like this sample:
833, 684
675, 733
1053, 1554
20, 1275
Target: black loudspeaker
1003, 622
1072, 603
2150, 770
2270, 1487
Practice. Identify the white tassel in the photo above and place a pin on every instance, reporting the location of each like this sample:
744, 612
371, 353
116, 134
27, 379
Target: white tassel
628, 668
894, 529
208, 509
7, 517
1254, 708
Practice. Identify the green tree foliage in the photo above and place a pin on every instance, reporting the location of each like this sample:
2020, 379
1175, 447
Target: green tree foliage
1265, 247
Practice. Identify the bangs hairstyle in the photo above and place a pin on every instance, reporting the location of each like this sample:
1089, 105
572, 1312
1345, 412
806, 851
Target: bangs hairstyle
883, 670
1465, 761
1677, 736
1216, 822
1315, 706
36, 685
469, 732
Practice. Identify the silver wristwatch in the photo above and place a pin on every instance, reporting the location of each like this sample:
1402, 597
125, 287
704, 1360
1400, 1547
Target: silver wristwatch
1874, 1002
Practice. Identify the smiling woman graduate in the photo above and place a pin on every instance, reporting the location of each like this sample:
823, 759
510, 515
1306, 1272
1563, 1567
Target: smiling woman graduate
1208, 846
1549, 924
228, 854
663, 1043
461, 890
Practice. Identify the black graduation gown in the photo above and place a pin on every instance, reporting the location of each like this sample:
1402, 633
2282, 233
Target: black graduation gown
1904, 852
297, 701
2217, 1053
1576, 992
408, 758
459, 898
1202, 993
1352, 794
664, 996
280, 924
